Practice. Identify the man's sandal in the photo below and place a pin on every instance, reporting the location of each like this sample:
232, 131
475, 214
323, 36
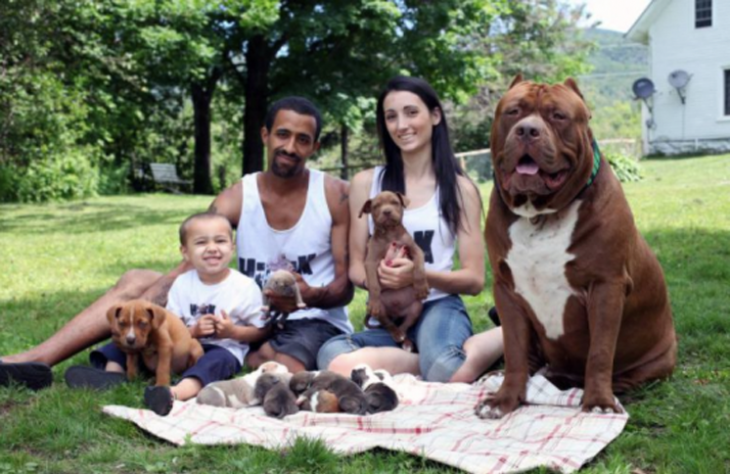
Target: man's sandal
84, 376
33, 375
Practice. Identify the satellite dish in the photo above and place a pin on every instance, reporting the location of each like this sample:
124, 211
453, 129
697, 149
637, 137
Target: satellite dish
643, 88
679, 80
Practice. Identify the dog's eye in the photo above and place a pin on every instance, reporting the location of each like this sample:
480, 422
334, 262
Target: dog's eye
559, 116
142, 324
512, 112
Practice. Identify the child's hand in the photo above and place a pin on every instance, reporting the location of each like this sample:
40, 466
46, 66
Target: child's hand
223, 326
205, 326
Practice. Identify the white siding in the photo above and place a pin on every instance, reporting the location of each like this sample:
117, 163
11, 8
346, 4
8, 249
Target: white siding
704, 53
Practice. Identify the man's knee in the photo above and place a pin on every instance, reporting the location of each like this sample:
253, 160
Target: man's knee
134, 283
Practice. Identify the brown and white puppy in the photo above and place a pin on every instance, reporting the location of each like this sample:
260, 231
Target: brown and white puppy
237, 392
351, 398
278, 399
389, 240
319, 401
576, 286
283, 284
143, 329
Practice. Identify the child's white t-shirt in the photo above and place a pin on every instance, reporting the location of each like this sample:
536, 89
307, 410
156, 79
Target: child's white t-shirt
238, 295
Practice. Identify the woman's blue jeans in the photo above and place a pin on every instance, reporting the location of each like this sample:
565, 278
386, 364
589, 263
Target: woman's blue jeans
439, 336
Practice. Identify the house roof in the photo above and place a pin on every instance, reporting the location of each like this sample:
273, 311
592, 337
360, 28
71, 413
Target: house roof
639, 31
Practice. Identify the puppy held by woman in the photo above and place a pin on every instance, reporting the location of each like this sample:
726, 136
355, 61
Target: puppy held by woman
443, 216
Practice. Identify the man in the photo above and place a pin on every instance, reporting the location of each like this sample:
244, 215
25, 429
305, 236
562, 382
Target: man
288, 216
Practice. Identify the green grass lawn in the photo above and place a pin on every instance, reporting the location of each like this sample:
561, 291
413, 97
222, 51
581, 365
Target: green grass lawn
57, 258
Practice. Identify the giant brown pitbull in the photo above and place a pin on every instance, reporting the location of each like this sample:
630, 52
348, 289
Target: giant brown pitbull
577, 287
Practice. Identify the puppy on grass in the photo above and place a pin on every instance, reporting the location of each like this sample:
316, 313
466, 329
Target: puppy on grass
238, 392
143, 329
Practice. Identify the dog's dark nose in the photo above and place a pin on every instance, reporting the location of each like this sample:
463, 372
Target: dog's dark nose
131, 339
387, 212
528, 131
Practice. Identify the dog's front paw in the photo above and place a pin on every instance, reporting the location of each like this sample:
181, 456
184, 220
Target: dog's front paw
496, 405
407, 345
422, 291
375, 309
598, 402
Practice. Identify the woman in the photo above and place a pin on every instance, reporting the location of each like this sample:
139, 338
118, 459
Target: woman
445, 210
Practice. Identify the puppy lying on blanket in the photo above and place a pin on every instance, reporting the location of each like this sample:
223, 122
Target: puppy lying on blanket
350, 397
238, 392
140, 328
390, 239
379, 392
278, 399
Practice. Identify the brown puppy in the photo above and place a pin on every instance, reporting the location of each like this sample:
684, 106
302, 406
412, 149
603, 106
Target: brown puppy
577, 288
390, 240
319, 401
140, 328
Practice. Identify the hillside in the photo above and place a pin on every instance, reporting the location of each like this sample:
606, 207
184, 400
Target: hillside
617, 63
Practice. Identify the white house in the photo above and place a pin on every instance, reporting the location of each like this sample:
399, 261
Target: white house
691, 36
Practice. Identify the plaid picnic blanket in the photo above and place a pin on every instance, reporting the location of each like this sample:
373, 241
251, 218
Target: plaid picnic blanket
433, 420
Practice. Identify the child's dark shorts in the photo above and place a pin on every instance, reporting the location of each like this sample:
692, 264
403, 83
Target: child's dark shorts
216, 364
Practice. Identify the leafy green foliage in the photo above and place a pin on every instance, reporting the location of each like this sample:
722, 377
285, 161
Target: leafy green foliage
624, 167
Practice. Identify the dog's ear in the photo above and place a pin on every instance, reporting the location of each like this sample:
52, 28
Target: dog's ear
516, 80
366, 208
572, 85
113, 313
157, 315
404, 201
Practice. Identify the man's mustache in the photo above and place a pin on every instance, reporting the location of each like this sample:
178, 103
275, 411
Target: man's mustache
292, 156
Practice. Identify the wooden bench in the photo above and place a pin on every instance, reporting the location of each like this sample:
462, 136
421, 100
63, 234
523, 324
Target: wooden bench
165, 175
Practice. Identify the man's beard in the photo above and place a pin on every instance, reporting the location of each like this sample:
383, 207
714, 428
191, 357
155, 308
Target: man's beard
285, 172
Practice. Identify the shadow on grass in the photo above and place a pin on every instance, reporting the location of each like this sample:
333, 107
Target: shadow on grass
91, 217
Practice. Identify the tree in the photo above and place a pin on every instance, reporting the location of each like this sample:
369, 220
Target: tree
320, 49
538, 38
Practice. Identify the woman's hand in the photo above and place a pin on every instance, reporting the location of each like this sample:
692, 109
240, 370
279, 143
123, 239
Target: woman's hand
398, 275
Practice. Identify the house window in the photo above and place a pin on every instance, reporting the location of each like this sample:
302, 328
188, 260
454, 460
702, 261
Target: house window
727, 91
703, 13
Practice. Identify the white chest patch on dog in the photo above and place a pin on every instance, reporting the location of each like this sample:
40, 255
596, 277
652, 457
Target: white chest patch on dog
537, 260
528, 210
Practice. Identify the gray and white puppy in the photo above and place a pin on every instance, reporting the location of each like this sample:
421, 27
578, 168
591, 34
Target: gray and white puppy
282, 283
301, 381
278, 399
238, 392
377, 385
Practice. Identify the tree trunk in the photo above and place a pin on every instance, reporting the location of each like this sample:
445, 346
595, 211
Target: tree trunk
202, 183
254, 114
344, 137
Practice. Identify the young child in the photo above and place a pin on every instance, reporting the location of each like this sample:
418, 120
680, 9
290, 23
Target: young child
220, 306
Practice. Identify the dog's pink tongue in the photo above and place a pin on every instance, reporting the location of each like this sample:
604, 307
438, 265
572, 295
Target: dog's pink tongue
527, 167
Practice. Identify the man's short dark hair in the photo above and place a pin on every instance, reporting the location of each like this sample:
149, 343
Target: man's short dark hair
183, 231
299, 105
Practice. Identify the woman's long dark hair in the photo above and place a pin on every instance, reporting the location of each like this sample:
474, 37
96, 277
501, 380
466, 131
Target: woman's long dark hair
445, 165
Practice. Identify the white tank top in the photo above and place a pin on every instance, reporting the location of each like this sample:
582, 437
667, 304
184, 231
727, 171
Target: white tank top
430, 231
306, 247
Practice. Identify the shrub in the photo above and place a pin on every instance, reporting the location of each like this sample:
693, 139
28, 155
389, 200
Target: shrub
624, 167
